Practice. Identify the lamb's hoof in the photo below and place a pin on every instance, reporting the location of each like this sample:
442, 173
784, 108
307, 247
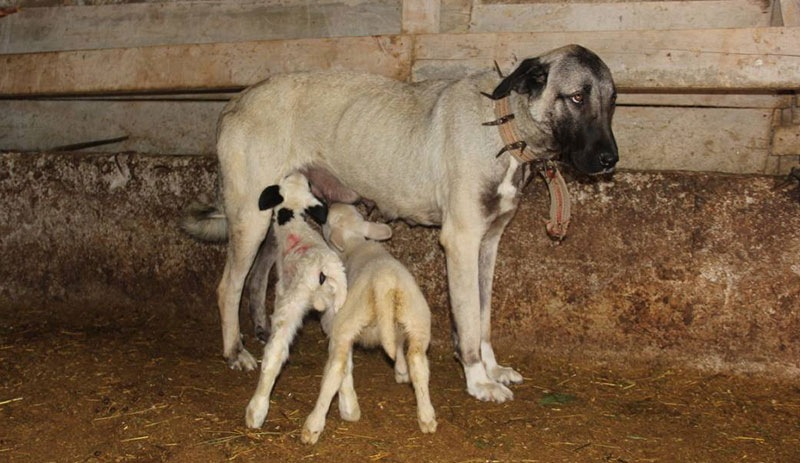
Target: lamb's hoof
243, 360
401, 377
428, 427
310, 436
352, 414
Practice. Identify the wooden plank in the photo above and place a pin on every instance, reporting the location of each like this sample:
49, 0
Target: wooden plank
421, 16
649, 138
147, 24
581, 16
718, 59
697, 139
159, 127
790, 12
187, 67
724, 59
707, 100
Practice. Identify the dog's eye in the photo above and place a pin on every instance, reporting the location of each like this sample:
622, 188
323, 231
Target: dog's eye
322, 278
577, 98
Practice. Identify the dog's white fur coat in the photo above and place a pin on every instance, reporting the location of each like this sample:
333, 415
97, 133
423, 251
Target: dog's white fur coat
310, 275
384, 307
418, 152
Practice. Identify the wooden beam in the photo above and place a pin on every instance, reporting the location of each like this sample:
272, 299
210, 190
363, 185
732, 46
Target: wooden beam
191, 22
687, 60
594, 16
196, 67
760, 59
421, 16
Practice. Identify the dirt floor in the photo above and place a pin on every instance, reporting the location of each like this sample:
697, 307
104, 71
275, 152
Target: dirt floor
118, 385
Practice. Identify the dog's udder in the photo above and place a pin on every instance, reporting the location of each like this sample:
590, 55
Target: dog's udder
325, 185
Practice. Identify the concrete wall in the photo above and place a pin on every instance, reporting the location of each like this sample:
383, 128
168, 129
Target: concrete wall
700, 268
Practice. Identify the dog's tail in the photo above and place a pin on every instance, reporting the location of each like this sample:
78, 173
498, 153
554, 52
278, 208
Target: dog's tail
205, 220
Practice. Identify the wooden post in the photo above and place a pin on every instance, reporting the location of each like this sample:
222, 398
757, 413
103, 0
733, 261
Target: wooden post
790, 11
421, 16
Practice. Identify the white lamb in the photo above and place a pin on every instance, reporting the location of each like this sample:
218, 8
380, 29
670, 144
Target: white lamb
310, 274
384, 306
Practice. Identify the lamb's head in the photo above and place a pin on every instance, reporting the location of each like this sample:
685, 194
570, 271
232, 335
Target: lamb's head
293, 194
346, 228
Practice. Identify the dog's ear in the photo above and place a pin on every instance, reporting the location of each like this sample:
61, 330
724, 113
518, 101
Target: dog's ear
319, 213
377, 231
529, 78
270, 197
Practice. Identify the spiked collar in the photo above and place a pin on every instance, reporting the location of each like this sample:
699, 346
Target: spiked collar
556, 186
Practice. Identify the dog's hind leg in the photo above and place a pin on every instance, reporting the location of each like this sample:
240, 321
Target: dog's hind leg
462, 252
257, 285
246, 232
488, 258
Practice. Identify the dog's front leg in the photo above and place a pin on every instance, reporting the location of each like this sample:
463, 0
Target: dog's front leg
462, 251
488, 258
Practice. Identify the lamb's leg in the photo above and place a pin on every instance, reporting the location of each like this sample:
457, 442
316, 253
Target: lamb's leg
400, 365
420, 372
331, 382
285, 322
348, 400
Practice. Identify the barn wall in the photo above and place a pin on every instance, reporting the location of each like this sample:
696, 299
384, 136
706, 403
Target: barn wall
671, 258
705, 85
702, 268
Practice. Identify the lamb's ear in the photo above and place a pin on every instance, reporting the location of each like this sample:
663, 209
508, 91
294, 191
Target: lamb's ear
336, 239
319, 213
529, 78
377, 231
270, 197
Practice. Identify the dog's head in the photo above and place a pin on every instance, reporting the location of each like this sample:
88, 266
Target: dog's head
293, 193
571, 98
344, 222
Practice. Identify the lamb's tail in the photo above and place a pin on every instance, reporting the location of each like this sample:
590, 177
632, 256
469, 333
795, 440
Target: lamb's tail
205, 220
387, 300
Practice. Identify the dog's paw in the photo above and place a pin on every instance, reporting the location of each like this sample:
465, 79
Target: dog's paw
262, 334
504, 375
243, 360
312, 429
256, 412
490, 392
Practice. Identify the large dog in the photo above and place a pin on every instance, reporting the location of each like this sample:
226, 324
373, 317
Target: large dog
420, 152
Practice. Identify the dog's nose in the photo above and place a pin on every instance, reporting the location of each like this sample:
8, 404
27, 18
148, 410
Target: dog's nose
608, 160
